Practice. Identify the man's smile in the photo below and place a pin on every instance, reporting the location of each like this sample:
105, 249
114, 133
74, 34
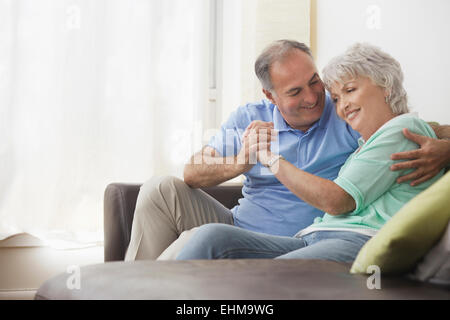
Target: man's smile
310, 107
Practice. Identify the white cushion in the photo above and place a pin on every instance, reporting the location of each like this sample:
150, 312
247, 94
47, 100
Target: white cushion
435, 266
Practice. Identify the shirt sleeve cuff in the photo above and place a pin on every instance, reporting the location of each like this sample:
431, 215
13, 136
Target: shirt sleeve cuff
352, 190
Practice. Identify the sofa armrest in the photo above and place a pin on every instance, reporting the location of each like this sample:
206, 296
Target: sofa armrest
120, 202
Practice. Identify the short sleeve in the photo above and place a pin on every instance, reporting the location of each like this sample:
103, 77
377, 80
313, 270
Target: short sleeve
227, 141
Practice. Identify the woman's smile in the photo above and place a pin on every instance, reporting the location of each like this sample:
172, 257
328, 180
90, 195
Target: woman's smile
352, 114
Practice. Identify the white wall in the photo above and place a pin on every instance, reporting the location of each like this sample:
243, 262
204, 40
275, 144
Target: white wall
415, 32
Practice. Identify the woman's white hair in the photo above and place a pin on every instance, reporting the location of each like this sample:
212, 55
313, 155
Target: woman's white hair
366, 60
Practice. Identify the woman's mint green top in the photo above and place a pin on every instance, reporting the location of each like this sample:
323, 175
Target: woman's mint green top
367, 178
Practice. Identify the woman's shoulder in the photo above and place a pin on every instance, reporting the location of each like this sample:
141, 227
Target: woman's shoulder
409, 121
390, 137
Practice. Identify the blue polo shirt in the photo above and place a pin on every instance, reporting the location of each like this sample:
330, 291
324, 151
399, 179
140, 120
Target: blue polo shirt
268, 206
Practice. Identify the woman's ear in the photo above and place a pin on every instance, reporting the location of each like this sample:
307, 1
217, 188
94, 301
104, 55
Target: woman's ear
387, 95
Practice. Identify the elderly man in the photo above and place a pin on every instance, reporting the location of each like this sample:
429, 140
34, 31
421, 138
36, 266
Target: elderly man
301, 117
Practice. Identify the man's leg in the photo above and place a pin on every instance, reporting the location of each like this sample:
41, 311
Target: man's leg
220, 241
174, 249
166, 206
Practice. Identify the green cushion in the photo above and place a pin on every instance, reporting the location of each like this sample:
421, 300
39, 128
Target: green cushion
410, 234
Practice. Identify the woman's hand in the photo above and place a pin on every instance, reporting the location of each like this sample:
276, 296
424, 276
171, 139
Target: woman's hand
432, 156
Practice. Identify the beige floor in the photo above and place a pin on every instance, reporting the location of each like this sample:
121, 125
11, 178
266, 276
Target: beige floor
25, 264
17, 295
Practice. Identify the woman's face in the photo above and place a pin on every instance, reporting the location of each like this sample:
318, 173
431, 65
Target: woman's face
362, 104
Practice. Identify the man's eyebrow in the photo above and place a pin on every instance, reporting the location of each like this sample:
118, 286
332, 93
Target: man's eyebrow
300, 88
292, 90
312, 78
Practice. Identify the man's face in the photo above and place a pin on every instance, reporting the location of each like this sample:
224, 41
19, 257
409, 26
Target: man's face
298, 90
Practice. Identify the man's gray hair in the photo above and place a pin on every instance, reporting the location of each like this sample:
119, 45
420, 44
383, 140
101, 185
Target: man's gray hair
276, 51
366, 60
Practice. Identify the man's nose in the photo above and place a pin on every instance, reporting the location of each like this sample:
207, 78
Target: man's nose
310, 97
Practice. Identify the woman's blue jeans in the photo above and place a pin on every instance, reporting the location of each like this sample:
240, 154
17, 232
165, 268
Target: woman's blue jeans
221, 241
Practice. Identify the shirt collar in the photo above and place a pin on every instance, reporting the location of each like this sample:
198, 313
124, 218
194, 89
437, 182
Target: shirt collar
361, 141
278, 121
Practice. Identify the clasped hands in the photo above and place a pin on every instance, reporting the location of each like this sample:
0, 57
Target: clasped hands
256, 141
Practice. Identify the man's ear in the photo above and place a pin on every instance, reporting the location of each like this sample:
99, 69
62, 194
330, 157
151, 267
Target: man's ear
269, 95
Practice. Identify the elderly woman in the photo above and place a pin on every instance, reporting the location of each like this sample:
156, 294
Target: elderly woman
366, 86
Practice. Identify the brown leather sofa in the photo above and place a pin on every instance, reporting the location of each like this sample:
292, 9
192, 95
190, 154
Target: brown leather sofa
245, 279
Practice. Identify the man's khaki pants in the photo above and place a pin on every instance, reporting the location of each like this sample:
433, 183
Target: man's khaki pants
166, 207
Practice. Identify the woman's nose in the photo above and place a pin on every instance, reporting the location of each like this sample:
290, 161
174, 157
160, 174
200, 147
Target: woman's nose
343, 106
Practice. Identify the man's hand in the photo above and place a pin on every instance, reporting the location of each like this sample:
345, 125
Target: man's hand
432, 156
256, 143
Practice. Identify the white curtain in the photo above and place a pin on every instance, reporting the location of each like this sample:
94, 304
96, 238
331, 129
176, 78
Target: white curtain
93, 92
